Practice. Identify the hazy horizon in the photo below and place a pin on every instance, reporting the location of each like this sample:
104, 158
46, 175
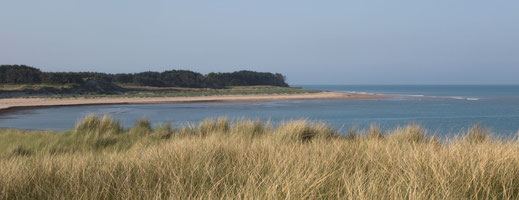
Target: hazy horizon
355, 42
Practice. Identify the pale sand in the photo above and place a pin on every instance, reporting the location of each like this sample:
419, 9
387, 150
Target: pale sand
21, 103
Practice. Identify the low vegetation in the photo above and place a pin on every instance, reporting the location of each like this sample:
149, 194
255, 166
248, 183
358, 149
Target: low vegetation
100, 91
137, 91
250, 159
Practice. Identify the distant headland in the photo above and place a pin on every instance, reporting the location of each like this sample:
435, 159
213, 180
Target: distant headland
24, 87
22, 78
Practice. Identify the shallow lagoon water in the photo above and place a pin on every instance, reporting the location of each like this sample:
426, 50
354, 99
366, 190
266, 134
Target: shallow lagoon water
444, 110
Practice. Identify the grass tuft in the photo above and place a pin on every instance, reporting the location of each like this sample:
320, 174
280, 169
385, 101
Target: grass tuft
142, 127
93, 125
412, 133
303, 131
21, 151
220, 125
477, 134
375, 132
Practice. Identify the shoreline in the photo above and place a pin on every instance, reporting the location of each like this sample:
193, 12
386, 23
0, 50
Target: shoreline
13, 104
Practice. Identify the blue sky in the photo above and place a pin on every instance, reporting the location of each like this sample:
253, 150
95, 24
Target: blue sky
311, 42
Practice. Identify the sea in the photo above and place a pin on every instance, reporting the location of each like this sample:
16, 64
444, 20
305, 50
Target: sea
444, 110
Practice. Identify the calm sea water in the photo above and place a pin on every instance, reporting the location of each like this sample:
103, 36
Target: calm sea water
445, 110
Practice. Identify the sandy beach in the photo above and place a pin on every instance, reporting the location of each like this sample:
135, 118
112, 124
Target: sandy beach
9, 104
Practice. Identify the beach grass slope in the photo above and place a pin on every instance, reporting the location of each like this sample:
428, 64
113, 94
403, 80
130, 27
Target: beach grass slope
238, 159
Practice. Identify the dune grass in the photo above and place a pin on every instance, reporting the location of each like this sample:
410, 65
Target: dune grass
140, 91
21, 87
146, 91
224, 158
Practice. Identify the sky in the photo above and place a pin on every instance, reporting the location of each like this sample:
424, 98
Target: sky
311, 42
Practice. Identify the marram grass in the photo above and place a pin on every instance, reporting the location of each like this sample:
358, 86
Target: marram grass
247, 159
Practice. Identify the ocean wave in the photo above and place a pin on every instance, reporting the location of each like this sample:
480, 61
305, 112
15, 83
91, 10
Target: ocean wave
355, 92
456, 97
464, 98
473, 99
420, 95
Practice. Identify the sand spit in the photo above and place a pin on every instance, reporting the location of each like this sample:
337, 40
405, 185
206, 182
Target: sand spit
9, 104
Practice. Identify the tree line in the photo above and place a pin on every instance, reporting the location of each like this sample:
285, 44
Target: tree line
22, 74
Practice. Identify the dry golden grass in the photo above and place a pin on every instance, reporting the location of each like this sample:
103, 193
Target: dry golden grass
247, 159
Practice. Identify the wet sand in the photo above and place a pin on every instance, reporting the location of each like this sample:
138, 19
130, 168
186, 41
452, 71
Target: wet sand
10, 104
